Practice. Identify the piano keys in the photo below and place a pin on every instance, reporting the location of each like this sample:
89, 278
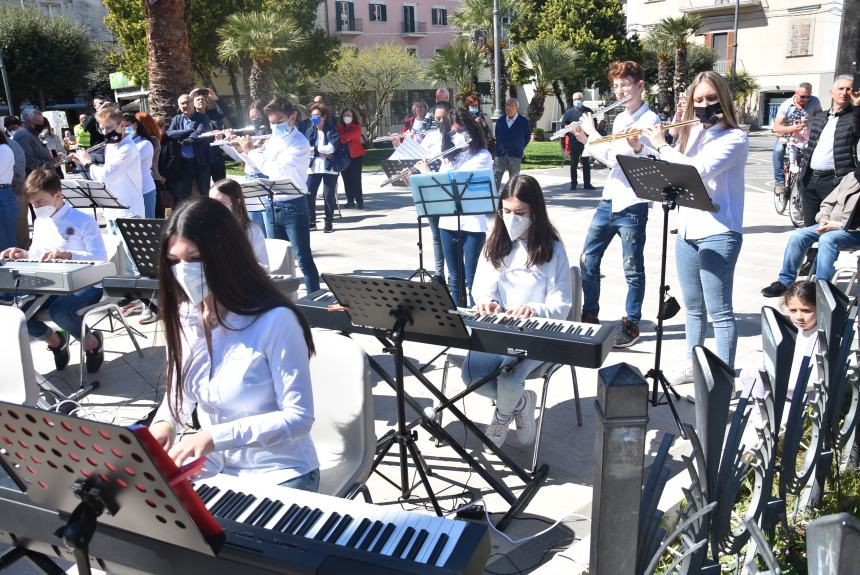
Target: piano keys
558, 341
51, 277
146, 288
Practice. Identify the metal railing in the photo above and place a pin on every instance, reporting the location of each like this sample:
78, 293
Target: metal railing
413, 28
349, 25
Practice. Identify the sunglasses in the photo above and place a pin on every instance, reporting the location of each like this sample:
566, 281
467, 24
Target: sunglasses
804, 97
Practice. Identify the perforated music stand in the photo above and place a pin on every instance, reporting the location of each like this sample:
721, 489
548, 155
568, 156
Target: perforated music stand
257, 189
394, 167
143, 239
672, 185
456, 193
83, 468
84, 194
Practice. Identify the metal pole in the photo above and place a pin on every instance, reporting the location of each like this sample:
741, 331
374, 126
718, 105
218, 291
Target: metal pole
6, 85
735, 47
497, 62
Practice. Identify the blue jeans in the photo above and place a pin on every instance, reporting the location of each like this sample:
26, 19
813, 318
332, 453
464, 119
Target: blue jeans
291, 223
778, 151
507, 388
828, 250
438, 257
629, 225
329, 182
310, 481
8, 217
706, 270
149, 204
472, 244
259, 219
63, 311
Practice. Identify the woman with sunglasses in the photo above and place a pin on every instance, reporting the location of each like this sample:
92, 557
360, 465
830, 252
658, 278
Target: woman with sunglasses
524, 273
466, 232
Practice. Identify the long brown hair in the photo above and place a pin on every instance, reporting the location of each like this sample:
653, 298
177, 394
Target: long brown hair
725, 95
542, 234
233, 190
234, 278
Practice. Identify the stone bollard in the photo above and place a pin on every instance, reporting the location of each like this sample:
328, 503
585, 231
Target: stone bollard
833, 545
619, 457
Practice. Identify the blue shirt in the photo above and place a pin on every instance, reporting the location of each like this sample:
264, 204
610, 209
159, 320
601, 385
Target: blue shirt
187, 147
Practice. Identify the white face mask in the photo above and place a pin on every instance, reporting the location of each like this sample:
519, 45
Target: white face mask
516, 225
347, 119
44, 212
460, 140
190, 276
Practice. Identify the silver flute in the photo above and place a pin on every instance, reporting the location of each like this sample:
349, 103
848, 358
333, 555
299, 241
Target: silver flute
599, 114
232, 141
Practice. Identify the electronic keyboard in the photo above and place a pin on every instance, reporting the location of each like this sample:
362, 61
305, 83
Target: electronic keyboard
52, 276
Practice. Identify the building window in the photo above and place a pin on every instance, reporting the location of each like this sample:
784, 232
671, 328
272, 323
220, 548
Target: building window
412, 50
721, 45
51, 9
378, 13
345, 16
439, 16
800, 38
408, 18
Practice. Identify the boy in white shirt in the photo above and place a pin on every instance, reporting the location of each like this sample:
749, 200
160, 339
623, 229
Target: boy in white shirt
61, 232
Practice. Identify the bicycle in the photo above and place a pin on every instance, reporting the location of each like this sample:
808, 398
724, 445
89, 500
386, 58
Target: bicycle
780, 201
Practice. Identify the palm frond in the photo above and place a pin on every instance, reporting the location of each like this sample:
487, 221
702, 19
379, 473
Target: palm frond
257, 35
549, 60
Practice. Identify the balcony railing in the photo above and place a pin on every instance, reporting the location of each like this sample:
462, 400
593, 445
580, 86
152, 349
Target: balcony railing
349, 26
724, 67
718, 6
414, 28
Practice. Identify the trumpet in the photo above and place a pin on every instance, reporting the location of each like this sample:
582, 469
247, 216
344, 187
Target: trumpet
599, 114
233, 141
406, 172
226, 132
637, 132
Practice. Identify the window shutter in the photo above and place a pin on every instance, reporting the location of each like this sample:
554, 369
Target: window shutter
371, 14
444, 13
434, 16
351, 11
384, 15
799, 39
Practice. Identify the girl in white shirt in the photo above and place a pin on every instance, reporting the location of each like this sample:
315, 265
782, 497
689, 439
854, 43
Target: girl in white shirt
141, 137
708, 243
229, 193
524, 273
237, 350
473, 155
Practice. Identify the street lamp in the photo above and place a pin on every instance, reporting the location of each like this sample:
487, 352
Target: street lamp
6, 85
735, 47
497, 62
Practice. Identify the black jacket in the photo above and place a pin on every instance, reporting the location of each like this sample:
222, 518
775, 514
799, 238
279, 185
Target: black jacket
331, 137
844, 141
199, 124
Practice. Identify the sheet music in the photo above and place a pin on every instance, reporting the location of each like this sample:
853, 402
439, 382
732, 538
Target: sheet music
89, 194
408, 149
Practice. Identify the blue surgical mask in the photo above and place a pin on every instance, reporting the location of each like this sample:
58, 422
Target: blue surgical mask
281, 129
577, 104
192, 280
474, 111
130, 132
315, 120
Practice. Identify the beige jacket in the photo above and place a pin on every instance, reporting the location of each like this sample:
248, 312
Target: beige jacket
838, 205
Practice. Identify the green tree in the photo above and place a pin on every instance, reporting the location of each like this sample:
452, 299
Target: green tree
547, 59
699, 59
676, 32
456, 65
655, 49
127, 22
474, 21
46, 58
367, 78
257, 36
746, 96
98, 79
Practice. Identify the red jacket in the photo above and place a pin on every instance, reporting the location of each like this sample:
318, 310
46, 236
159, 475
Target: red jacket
350, 134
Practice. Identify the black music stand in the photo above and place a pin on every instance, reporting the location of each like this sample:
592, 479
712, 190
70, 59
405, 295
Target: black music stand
257, 189
672, 185
89, 194
394, 167
85, 468
388, 305
143, 238
455, 194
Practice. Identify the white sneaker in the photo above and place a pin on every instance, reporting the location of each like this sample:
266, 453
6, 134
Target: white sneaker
524, 418
680, 375
497, 431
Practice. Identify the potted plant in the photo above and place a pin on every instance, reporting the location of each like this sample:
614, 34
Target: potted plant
538, 135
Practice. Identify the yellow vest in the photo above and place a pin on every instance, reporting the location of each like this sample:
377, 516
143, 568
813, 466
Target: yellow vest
82, 137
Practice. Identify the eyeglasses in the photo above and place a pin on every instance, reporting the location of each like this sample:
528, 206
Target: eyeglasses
623, 85
506, 211
804, 97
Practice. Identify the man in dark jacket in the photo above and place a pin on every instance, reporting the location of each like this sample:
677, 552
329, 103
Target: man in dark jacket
35, 152
185, 128
513, 134
832, 149
216, 115
573, 114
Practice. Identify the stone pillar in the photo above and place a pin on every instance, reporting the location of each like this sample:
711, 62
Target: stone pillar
619, 457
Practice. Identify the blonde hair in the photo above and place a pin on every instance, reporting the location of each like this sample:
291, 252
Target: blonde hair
109, 112
723, 93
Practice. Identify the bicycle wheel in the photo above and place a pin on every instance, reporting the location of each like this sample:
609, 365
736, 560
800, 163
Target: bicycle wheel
780, 201
795, 205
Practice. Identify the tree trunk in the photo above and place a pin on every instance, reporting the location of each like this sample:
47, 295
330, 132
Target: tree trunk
664, 83
536, 107
260, 81
237, 97
556, 88
168, 58
680, 70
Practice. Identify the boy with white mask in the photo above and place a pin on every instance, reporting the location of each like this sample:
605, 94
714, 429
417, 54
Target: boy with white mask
524, 273
61, 232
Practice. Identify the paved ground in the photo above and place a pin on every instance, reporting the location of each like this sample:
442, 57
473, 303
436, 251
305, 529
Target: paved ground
382, 237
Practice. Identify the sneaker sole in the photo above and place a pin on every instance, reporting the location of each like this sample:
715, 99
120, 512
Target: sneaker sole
531, 403
622, 345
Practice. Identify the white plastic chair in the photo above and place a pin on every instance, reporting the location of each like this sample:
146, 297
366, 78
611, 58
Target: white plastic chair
343, 430
544, 371
282, 259
18, 383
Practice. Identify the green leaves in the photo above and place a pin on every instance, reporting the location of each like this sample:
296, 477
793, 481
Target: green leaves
256, 35
457, 64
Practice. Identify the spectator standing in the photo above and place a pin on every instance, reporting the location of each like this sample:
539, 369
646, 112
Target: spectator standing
474, 107
832, 149
349, 129
185, 128
802, 106
574, 146
513, 134
258, 119
82, 137
419, 113
90, 123
10, 125
324, 139
8, 201
216, 115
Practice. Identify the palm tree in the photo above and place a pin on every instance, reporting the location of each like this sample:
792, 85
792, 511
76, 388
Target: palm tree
663, 51
474, 21
168, 55
548, 59
257, 36
456, 65
676, 32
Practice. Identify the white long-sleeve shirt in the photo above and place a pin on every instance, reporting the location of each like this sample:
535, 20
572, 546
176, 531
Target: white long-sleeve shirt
545, 288
466, 161
144, 148
7, 165
121, 173
281, 157
258, 242
617, 189
719, 154
68, 230
253, 392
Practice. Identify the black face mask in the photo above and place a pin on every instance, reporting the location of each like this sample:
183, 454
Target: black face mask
710, 114
36, 128
113, 137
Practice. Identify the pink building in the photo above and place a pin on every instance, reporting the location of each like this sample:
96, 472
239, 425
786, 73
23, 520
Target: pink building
421, 26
